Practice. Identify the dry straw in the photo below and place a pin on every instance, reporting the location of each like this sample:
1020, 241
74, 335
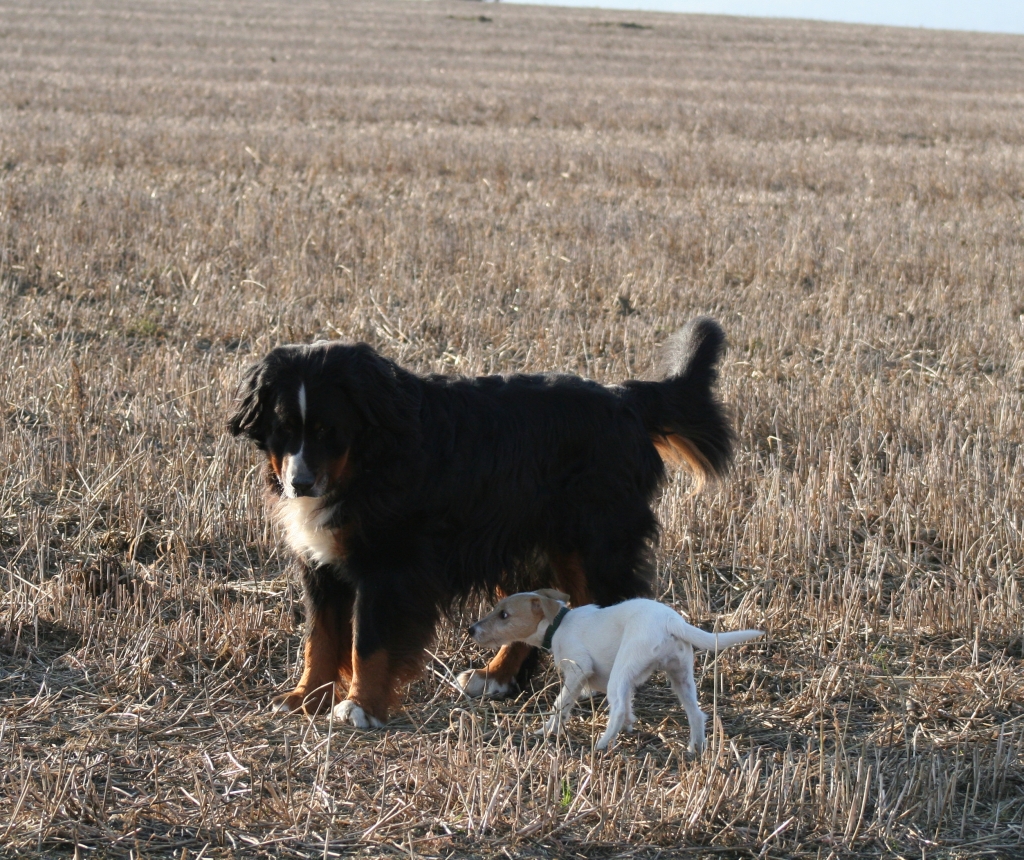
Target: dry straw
182, 188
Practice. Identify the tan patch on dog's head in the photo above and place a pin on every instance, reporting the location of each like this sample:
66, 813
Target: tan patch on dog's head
338, 470
275, 463
518, 618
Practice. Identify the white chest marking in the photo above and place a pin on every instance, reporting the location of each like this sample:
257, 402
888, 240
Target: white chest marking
304, 521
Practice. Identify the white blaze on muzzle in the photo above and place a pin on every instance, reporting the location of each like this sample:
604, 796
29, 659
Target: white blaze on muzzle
299, 480
297, 477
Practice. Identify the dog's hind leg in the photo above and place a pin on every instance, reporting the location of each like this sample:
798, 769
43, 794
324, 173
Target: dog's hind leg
613, 562
571, 577
628, 671
620, 707
680, 675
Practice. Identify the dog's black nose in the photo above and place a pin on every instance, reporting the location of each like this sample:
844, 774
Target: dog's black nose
302, 488
471, 630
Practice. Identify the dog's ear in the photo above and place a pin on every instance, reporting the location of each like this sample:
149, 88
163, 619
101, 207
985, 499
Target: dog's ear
253, 397
372, 383
547, 604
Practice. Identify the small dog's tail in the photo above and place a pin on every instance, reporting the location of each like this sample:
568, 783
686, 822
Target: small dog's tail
687, 425
716, 641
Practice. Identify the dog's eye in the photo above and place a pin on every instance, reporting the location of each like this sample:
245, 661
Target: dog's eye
503, 615
319, 431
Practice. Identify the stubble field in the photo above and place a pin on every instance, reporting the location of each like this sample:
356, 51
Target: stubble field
477, 189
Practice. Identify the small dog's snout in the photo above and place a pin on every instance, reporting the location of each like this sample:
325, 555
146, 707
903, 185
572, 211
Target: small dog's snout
471, 630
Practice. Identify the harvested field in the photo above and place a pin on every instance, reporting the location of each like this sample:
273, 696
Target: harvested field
475, 189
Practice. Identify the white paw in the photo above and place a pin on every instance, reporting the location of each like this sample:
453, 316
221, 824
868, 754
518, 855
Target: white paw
476, 684
698, 733
555, 724
348, 712
603, 742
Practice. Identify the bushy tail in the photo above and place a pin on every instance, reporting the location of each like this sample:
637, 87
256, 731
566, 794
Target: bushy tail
717, 641
687, 425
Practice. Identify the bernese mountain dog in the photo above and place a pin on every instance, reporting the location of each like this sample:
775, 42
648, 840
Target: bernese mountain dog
403, 495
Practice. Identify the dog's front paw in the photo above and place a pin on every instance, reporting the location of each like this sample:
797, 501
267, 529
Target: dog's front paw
351, 713
698, 732
477, 683
316, 701
552, 726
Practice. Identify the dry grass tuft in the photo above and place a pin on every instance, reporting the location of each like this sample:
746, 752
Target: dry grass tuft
182, 188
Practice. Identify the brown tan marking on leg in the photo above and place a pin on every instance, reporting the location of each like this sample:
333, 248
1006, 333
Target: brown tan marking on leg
347, 652
374, 687
571, 577
325, 656
505, 665
406, 669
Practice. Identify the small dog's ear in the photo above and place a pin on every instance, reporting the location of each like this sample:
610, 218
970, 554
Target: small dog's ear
253, 395
553, 594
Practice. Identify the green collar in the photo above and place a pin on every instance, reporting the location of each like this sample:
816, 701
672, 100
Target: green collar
546, 644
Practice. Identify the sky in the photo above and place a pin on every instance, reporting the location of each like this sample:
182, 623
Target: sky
993, 16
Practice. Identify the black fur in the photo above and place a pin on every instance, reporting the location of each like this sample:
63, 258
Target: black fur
455, 486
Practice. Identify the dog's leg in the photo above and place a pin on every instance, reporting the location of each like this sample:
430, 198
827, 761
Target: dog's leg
574, 679
370, 693
629, 671
328, 648
496, 681
571, 577
620, 694
680, 674
630, 720
384, 656
376, 683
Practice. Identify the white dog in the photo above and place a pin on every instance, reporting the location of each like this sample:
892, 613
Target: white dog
611, 650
